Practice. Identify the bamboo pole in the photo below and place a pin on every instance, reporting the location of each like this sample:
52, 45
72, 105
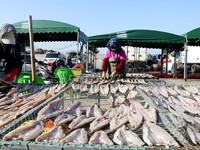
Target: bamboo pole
32, 49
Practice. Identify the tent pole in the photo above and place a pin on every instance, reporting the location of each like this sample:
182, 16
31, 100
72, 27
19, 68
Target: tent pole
161, 65
185, 61
32, 49
167, 53
174, 75
87, 58
77, 47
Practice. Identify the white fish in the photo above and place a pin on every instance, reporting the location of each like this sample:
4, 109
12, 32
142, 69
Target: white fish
94, 89
63, 118
118, 122
172, 91
104, 89
181, 92
192, 89
122, 110
163, 91
27, 132
123, 88
54, 135
83, 88
100, 138
135, 119
74, 109
193, 134
114, 89
196, 97
80, 122
94, 111
127, 137
132, 94
78, 136
155, 135
121, 99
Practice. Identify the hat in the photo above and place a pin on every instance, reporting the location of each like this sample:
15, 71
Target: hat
9, 38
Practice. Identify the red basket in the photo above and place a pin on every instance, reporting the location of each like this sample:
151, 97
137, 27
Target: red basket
167, 75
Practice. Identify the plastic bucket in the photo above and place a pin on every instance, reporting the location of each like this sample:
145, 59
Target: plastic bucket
155, 67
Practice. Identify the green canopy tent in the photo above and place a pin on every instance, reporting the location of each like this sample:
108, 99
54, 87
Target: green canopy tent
141, 38
48, 30
192, 39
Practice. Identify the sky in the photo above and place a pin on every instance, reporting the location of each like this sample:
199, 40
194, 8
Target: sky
96, 17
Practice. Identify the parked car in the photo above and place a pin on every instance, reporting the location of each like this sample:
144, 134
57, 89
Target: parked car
26, 60
50, 57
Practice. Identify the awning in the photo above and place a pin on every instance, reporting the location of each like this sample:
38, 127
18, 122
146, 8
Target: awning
193, 37
47, 30
141, 38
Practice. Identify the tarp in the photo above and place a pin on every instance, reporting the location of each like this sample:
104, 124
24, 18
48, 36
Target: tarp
48, 30
193, 37
141, 38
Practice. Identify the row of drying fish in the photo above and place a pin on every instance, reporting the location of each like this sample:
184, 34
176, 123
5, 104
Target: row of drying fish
180, 101
135, 114
14, 104
104, 89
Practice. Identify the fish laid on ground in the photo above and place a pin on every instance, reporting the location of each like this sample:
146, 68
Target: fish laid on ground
149, 114
127, 137
75, 87
122, 110
188, 101
163, 91
104, 89
74, 109
27, 132
123, 88
114, 89
181, 92
52, 109
100, 138
121, 99
193, 134
101, 122
196, 97
54, 135
192, 89
172, 91
83, 88
80, 122
177, 120
154, 135
78, 136
63, 118
94, 89
132, 94
135, 119
117, 122
94, 111
131, 87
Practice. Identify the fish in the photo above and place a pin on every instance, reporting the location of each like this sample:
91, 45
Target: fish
100, 138
94, 111
52, 109
196, 97
192, 89
123, 88
74, 109
101, 122
83, 88
63, 119
172, 91
27, 132
104, 89
121, 99
135, 119
80, 121
94, 89
154, 135
131, 87
181, 92
75, 87
193, 134
114, 89
54, 135
117, 122
163, 91
127, 137
188, 101
122, 110
78, 136
132, 94
177, 120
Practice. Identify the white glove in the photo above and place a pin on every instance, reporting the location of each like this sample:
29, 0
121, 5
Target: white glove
103, 75
113, 75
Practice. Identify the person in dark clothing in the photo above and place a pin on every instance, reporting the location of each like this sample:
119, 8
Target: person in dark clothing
10, 56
